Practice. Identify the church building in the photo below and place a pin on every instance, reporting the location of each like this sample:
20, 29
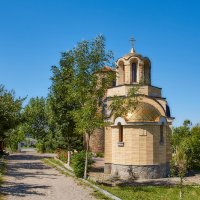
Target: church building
138, 145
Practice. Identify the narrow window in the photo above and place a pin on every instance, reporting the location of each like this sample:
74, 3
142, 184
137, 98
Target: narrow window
120, 132
162, 133
123, 73
134, 72
113, 83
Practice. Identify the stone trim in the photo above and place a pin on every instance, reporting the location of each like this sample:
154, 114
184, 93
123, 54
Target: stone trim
107, 168
138, 171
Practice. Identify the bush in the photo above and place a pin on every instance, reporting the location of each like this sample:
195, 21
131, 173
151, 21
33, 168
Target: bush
62, 155
78, 163
40, 147
99, 155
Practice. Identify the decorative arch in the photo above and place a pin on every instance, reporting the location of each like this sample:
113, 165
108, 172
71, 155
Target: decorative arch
154, 103
121, 72
134, 69
120, 120
147, 72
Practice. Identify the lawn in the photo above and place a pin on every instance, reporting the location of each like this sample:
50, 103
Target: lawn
154, 192
2, 168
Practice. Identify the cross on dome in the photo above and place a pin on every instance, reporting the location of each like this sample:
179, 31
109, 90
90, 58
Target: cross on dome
132, 40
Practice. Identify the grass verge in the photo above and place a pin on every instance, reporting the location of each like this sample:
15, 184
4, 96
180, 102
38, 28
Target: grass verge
58, 165
154, 192
2, 170
54, 164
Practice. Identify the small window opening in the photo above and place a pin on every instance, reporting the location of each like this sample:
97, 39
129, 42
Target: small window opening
120, 132
134, 72
162, 133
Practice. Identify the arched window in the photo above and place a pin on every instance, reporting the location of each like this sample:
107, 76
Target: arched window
121, 75
147, 73
162, 133
134, 73
120, 132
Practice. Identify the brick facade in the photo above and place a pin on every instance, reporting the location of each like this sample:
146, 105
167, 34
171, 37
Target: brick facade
97, 141
145, 151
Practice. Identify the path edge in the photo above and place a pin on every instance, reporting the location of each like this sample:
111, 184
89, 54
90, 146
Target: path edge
104, 192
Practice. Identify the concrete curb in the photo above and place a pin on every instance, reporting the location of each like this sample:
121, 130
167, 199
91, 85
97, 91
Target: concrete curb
65, 164
106, 193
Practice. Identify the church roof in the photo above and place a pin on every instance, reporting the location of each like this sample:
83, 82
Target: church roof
107, 69
129, 55
144, 112
134, 54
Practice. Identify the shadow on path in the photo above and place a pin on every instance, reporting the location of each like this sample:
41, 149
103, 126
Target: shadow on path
21, 170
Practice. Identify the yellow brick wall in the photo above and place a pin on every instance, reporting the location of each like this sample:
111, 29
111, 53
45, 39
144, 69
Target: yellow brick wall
154, 91
123, 90
108, 145
141, 146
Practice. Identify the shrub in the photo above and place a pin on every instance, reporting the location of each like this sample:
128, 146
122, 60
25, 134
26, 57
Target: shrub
62, 155
40, 147
78, 163
100, 154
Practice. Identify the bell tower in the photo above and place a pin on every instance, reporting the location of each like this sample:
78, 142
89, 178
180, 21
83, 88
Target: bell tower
137, 144
133, 68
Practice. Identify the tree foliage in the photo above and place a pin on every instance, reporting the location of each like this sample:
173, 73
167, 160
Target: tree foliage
35, 114
88, 85
38, 123
10, 112
61, 104
180, 165
121, 106
78, 161
188, 138
14, 136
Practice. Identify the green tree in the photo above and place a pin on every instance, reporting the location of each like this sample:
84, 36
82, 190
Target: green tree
180, 164
61, 105
189, 138
88, 86
10, 113
14, 136
180, 134
36, 120
36, 117
192, 144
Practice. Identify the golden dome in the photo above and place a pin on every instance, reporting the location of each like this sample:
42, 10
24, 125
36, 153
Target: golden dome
144, 112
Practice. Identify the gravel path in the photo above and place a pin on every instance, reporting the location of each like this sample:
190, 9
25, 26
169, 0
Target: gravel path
29, 178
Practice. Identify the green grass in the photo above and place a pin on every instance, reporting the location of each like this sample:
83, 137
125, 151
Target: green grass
99, 195
154, 192
56, 162
2, 169
51, 162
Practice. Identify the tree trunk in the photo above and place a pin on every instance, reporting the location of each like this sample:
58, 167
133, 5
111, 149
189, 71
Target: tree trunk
181, 188
68, 157
87, 138
1, 147
68, 151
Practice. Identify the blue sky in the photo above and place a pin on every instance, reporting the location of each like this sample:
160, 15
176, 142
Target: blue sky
34, 32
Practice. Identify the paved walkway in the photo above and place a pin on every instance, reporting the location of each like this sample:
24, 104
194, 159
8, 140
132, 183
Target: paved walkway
29, 178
